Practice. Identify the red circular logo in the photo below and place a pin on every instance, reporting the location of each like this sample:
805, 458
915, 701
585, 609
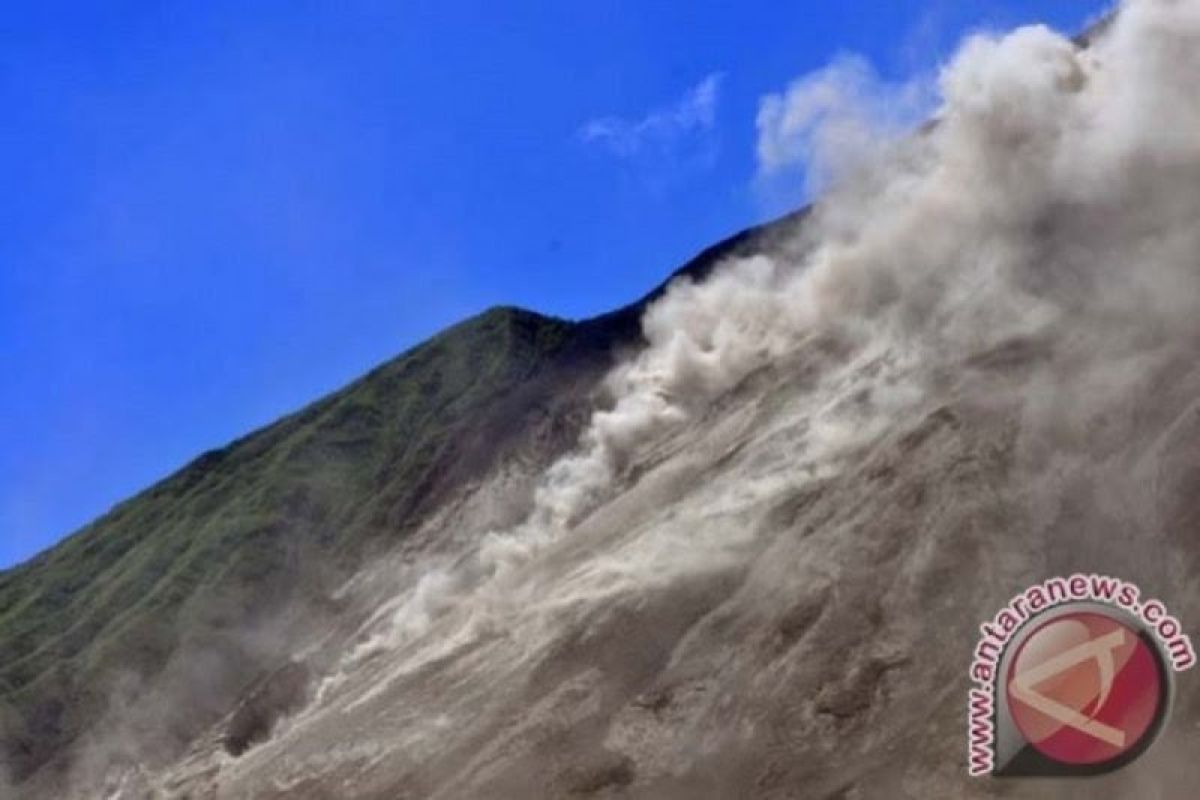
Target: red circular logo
1085, 688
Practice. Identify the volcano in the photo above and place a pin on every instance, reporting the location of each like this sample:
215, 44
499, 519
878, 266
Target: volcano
733, 540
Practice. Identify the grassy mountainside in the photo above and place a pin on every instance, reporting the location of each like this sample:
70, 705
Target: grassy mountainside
274, 520
231, 535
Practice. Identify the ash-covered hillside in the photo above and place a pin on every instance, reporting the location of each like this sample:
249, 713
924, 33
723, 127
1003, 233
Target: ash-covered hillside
732, 541
166, 612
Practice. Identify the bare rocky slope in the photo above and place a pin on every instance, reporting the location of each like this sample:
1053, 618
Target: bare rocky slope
736, 540
163, 614
743, 619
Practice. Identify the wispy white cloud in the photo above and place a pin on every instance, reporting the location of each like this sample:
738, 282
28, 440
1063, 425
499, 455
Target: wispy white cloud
687, 121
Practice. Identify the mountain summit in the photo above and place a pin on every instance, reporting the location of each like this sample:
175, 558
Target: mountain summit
249, 537
734, 540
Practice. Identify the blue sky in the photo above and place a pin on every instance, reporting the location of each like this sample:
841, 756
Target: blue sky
216, 212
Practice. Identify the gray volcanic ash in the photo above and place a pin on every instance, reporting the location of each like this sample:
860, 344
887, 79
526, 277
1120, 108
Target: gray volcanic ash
761, 571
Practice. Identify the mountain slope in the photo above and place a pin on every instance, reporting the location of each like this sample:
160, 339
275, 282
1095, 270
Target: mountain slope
761, 571
273, 522
756, 568
227, 536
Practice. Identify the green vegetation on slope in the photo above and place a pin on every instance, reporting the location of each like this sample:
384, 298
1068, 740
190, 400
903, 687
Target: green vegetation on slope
227, 536
274, 520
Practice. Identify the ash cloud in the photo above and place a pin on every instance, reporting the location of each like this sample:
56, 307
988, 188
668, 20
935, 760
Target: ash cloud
1046, 218
1041, 206
1044, 222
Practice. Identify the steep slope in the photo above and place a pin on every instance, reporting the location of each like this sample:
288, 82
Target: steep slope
256, 536
761, 571
235, 534
840, 444
747, 617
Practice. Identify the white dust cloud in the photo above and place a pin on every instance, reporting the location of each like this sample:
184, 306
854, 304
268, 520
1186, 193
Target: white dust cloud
1054, 200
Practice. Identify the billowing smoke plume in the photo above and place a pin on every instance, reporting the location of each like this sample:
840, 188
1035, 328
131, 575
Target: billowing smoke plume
1032, 252
1051, 205
1047, 216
